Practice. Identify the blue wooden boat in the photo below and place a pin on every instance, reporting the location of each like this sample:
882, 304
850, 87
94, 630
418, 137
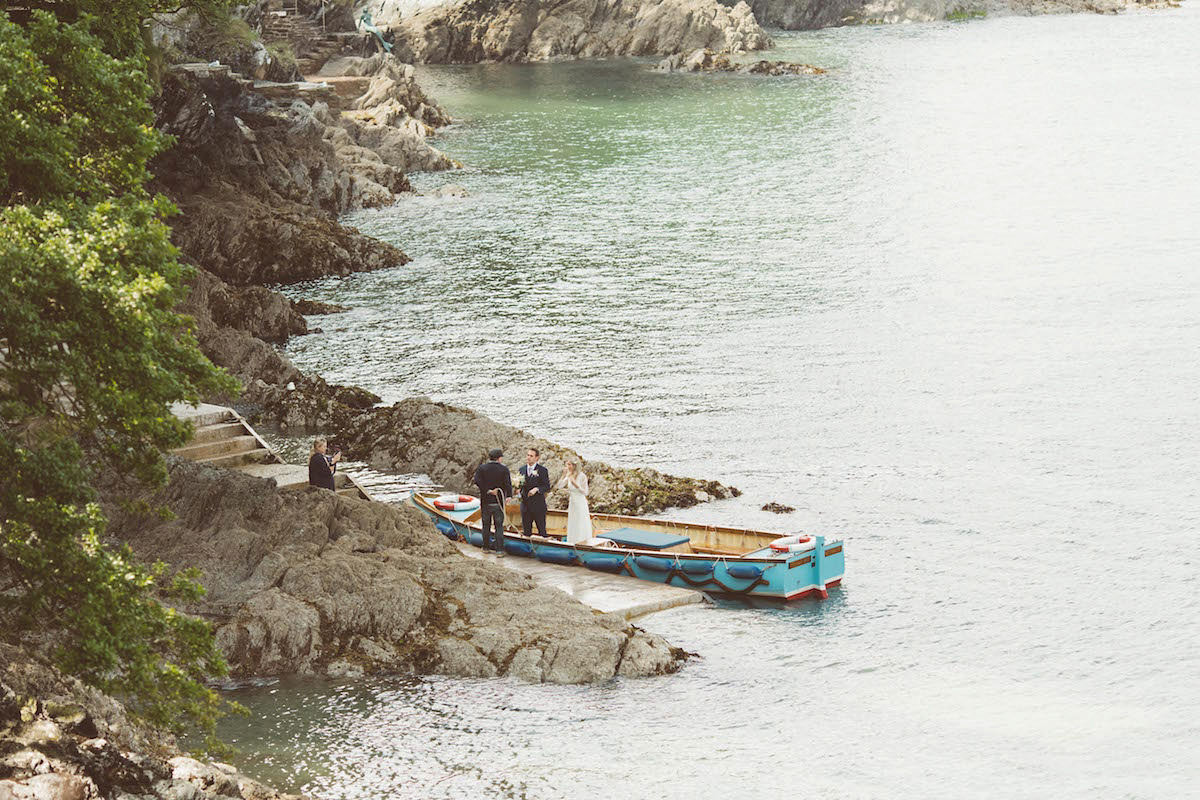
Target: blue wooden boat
710, 558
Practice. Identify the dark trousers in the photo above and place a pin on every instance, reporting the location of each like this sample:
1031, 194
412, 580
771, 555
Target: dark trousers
533, 512
493, 519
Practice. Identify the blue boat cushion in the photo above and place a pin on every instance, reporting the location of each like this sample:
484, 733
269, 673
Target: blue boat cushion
646, 540
746, 571
518, 548
693, 567
654, 563
605, 563
555, 555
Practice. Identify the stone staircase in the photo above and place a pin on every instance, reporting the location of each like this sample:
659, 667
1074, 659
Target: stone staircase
224, 439
312, 45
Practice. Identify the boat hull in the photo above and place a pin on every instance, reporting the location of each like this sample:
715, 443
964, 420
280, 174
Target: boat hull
763, 573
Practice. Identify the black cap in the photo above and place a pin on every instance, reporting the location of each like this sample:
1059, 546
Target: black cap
495, 453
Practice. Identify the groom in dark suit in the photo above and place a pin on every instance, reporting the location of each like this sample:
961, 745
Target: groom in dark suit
534, 487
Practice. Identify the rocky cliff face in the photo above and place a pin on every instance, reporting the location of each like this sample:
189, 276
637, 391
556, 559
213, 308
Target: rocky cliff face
538, 30
61, 740
261, 179
259, 187
312, 582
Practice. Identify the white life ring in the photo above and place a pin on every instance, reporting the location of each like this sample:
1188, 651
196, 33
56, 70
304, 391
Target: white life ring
793, 544
456, 502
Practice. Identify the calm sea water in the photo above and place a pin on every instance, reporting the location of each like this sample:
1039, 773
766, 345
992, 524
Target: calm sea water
944, 300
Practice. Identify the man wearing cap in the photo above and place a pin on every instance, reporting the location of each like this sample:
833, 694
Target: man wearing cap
495, 484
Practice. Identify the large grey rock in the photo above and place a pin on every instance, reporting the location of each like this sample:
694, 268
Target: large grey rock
397, 138
258, 311
708, 61
263, 211
537, 30
49, 786
207, 777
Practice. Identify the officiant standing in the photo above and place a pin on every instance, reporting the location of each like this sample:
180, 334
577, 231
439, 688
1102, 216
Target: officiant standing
535, 484
495, 485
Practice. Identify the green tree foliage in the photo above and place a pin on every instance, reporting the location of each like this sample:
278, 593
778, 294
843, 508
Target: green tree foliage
91, 356
118, 24
76, 126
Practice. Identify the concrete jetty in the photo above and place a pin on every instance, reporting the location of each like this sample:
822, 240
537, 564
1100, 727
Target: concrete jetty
619, 594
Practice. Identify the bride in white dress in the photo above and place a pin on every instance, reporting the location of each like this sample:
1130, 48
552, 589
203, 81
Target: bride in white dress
579, 520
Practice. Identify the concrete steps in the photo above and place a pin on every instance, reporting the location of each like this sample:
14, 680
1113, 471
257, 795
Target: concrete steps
216, 432
233, 442
204, 414
312, 45
259, 455
223, 439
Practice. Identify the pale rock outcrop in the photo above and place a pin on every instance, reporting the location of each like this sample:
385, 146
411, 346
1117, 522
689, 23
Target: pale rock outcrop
307, 581
403, 87
537, 30
393, 118
63, 740
708, 61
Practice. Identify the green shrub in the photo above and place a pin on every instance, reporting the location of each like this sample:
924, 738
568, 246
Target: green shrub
93, 354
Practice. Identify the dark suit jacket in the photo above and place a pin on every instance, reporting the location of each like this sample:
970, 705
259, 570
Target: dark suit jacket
492, 475
320, 471
539, 477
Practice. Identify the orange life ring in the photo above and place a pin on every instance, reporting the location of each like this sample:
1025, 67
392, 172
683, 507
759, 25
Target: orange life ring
456, 502
789, 544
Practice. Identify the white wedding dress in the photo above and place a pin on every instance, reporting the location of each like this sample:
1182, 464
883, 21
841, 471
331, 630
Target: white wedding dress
579, 519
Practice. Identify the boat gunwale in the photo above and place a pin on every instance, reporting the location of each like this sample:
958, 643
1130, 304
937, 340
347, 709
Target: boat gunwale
680, 523
536, 539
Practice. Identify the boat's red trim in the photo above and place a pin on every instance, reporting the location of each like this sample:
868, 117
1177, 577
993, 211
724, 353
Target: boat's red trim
813, 590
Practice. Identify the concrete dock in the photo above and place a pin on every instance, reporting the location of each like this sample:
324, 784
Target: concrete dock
621, 594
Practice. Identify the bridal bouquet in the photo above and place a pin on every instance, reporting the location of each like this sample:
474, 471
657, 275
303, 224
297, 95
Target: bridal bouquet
518, 481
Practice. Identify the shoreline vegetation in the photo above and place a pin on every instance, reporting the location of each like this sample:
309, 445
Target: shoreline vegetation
102, 660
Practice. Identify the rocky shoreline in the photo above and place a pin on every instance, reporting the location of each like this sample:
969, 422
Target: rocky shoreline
260, 182
62, 740
471, 31
310, 582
